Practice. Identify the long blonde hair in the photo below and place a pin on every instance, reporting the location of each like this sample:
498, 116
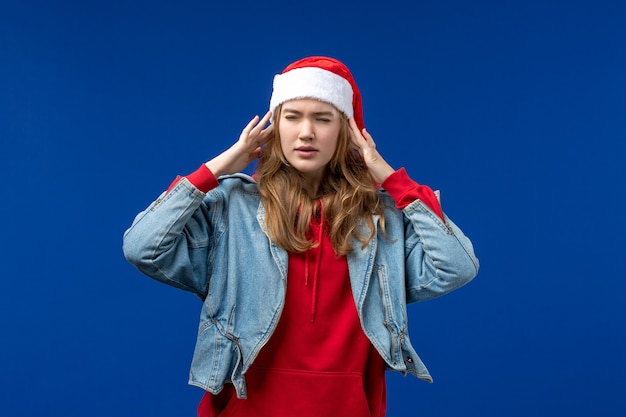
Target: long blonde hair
347, 193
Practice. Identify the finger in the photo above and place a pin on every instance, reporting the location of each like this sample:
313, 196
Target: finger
263, 137
266, 118
251, 123
269, 129
368, 137
267, 133
246, 130
353, 125
261, 124
357, 133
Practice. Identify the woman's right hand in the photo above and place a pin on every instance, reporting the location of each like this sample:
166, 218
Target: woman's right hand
245, 150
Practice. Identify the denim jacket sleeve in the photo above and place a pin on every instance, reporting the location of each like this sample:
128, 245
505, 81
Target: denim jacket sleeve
439, 257
170, 241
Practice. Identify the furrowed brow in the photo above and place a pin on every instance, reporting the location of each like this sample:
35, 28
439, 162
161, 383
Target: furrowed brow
324, 113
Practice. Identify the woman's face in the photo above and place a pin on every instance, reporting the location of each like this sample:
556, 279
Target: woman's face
309, 130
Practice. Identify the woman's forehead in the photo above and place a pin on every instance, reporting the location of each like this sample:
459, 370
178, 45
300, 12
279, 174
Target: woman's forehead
309, 105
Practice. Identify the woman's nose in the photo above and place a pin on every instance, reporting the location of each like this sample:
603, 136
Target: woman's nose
306, 130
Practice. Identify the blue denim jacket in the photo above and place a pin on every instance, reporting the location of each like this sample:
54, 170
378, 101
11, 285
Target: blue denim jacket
215, 246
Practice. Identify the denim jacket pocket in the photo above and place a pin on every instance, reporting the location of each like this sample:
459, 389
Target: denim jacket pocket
217, 356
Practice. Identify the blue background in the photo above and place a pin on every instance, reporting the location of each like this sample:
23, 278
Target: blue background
514, 109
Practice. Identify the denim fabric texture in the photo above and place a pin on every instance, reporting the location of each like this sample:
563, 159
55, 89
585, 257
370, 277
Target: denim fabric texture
215, 246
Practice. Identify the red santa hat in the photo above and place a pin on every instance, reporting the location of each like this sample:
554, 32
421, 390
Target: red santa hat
321, 78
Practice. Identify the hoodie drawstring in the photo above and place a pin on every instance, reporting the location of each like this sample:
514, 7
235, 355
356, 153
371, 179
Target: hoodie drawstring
318, 262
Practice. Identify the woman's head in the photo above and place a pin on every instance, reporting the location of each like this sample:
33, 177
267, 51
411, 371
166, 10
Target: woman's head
311, 102
311, 160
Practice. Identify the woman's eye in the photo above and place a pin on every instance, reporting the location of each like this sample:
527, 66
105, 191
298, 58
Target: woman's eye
323, 120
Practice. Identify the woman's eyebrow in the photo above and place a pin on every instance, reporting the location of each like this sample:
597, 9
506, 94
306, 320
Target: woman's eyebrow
323, 113
317, 113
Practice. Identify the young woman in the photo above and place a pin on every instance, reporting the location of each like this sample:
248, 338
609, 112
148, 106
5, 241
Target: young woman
306, 268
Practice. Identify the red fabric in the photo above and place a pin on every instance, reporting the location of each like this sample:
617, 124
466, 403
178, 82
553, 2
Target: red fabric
404, 191
202, 178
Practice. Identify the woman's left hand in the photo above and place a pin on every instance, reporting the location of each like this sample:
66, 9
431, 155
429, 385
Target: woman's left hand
364, 143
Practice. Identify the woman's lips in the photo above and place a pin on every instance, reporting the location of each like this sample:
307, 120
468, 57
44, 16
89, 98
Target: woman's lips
305, 151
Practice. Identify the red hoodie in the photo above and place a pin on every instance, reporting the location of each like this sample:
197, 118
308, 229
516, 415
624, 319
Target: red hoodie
318, 362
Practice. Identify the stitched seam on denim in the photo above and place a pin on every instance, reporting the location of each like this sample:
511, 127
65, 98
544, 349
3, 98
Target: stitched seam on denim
184, 183
254, 351
371, 253
448, 229
467, 252
426, 250
418, 205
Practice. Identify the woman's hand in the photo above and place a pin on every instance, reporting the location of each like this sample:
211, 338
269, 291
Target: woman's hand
245, 150
364, 143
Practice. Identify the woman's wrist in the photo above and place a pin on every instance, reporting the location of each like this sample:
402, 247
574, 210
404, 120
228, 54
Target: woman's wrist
215, 166
380, 171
